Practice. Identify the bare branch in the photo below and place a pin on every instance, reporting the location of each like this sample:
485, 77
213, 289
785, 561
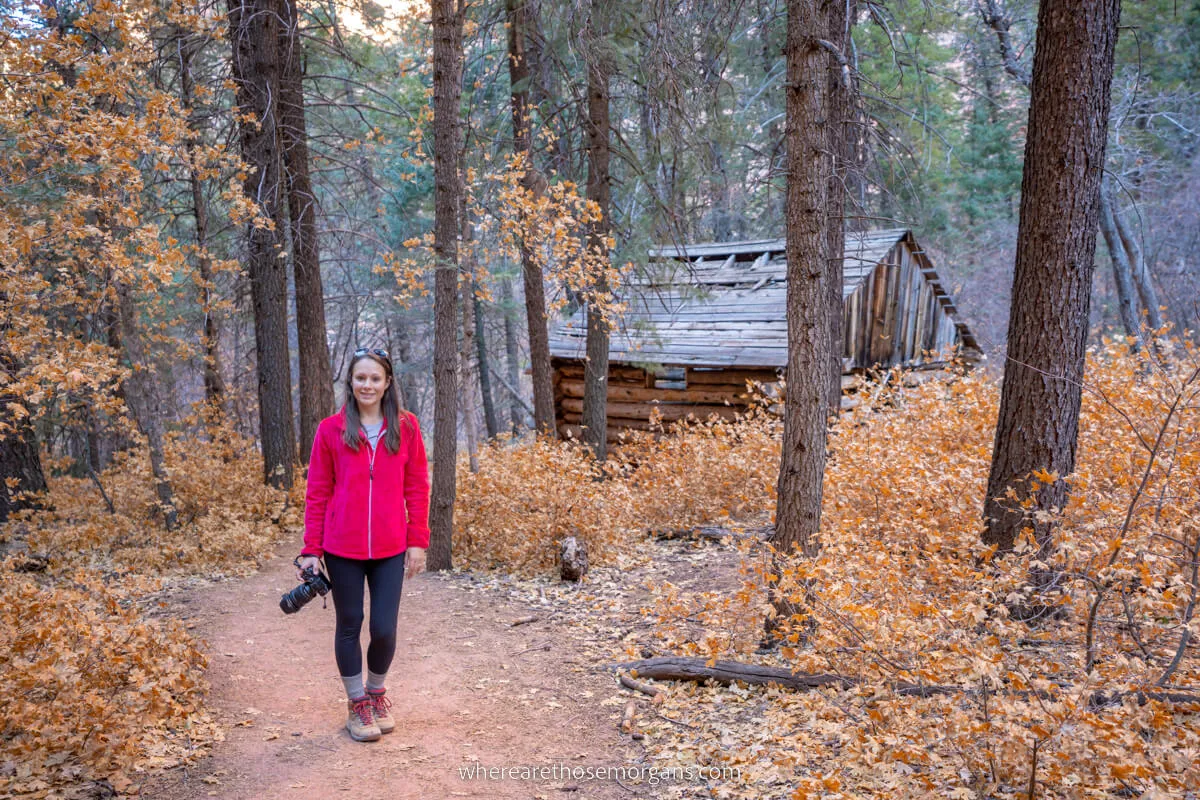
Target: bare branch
995, 18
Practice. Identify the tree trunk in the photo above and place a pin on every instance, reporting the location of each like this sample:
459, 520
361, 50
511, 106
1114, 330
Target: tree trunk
108, 321
485, 378
1056, 246
141, 394
662, 226
402, 361
447, 89
1122, 274
545, 86
469, 381
802, 467
1137, 266
535, 292
253, 29
841, 130
717, 178
214, 384
512, 354
95, 463
21, 476
316, 370
595, 397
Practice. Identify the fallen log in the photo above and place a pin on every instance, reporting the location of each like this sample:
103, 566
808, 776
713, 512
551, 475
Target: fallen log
715, 533
572, 559
1102, 699
627, 718
639, 686
680, 668
725, 673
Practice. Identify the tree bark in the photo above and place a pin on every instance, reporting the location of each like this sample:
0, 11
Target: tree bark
214, 385
447, 89
254, 35
842, 105
535, 291
512, 354
1056, 244
316, 370
595, 399
802, 466
663, 226
402, 352
1137, 266
141, 394
470, 412
485, 378
1122, 274
717, 179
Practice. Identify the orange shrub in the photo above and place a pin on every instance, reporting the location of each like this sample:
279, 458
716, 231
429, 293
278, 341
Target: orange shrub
228, 519
903, 591
89, 689
717, 471
528, 495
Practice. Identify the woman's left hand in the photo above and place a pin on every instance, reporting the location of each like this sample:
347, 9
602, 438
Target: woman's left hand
414, 562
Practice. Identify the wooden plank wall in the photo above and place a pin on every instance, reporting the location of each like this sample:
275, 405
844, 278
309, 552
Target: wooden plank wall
895, 315
633, 397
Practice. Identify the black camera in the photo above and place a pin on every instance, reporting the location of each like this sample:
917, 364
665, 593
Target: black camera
315, 583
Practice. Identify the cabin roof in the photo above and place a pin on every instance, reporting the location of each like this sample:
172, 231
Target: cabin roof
724, 304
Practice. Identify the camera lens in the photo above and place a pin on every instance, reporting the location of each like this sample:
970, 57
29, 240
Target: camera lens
293, 601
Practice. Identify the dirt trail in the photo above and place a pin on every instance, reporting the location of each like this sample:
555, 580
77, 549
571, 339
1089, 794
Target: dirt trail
468, 689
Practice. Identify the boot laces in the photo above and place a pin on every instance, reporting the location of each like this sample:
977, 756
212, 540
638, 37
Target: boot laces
379, 701
362, 708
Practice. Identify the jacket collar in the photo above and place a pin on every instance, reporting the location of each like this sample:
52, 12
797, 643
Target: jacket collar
340, 422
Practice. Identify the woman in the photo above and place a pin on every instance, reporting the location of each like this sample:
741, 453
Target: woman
366, 512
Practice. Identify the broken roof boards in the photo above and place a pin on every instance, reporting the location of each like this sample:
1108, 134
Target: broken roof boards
723, 306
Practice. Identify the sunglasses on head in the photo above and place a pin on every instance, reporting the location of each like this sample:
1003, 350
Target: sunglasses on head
362, 351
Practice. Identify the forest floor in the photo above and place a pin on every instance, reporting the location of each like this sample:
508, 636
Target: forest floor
470, 689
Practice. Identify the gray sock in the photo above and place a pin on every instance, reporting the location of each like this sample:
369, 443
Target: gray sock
375, 680
354, 686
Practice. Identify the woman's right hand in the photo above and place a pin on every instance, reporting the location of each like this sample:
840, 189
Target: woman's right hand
307, 562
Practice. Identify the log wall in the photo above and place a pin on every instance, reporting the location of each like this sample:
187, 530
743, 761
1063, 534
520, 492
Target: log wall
633, 397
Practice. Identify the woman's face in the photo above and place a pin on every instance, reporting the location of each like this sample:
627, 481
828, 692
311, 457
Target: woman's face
369, 380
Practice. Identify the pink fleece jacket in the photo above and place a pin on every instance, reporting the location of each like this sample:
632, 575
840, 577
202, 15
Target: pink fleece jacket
364, 505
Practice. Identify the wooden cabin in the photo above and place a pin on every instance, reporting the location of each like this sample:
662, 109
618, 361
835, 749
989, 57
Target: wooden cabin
706, 318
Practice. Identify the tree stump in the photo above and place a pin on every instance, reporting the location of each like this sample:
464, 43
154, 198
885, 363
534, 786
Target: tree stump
572, 558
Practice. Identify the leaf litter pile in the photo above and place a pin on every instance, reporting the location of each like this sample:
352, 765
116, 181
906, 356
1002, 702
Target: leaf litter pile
96, 686
939, 671
942, 672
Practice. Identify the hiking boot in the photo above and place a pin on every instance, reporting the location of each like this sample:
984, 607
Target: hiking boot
361, 722
379, 706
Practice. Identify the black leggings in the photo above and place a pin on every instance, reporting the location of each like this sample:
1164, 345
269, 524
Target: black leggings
385, 577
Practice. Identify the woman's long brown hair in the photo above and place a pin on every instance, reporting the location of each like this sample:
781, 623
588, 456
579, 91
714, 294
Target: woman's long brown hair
390, 405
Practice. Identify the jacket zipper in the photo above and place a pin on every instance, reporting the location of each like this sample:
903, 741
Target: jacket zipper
370, 492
